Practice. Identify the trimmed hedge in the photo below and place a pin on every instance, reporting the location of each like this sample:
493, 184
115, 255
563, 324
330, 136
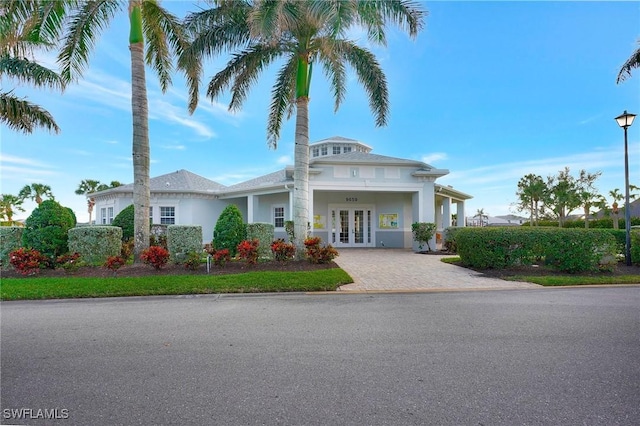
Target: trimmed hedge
10, 240
46, 229
183, 240
265, 234
603, 223
230, 230
568, 250
95, 243
124, 220
635, 247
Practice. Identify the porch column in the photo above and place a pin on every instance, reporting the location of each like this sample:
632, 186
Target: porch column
310, 224
427, 211
460, 213
446, 212
250, 202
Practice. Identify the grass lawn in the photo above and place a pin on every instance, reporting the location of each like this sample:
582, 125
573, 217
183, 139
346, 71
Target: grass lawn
250, 282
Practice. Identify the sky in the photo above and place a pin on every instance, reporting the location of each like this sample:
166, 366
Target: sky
491, 91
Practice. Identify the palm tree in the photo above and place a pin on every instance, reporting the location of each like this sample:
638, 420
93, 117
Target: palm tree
35, 192
588, 195
26, 27
87, 186
530, 191
632, 62
156, 37
8, 205
300, 33
480, 214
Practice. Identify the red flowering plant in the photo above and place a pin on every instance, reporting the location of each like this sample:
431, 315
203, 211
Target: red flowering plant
69, 262
27, 261
114, 263
282, 250
248, 251
156, 256
221, 257
315, 253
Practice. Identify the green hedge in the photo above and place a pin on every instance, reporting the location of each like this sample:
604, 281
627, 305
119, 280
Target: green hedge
95, 243
183, 240
46, 229
263, 232
635, 247
569, 250
10, 240
603, 223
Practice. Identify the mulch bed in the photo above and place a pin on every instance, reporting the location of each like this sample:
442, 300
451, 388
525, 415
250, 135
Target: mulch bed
142, 270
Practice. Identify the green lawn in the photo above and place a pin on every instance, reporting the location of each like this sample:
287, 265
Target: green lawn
251, 282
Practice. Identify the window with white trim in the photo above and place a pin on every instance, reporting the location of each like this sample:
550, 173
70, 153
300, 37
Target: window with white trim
103, 216
316, 152
278, 216
323, 150
167, 215
151, 215
110, 215
346, 149
336, 150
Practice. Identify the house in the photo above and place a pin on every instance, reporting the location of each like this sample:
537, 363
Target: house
356, 198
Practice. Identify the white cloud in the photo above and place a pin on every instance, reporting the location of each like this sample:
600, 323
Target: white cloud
284, 160
175, 147
434, 157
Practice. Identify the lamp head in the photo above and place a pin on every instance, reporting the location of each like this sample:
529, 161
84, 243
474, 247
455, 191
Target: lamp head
625, 120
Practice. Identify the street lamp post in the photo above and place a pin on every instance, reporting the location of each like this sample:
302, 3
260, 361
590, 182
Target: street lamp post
625, 120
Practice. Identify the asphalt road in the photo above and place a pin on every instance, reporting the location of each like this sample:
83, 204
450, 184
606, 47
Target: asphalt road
519, 357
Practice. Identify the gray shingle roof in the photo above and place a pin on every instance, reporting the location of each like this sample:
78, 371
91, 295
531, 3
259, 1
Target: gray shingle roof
363, 157
272, 179
181, 180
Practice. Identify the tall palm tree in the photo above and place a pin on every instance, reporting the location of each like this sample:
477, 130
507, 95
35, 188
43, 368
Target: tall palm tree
87, 186
632, 62
26, 27
156, 37
299, 33
35, 192
531, 189
8, 205
481, 215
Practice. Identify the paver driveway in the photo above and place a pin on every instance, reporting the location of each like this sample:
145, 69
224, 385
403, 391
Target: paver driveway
402, 269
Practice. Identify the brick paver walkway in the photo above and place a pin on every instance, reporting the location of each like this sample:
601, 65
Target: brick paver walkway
400, 269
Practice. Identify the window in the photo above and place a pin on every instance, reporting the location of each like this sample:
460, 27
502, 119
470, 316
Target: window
278, 217
167, 215
316, 152
151, 215
346, 149
110, 215
323, 150
103, 215
336, 150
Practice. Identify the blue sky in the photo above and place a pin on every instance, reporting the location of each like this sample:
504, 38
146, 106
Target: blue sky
489, 90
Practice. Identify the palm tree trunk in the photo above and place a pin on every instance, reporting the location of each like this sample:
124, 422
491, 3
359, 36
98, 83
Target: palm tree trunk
301, 175
140, 113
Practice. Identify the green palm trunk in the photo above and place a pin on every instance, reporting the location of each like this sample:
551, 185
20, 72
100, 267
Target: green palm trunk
140, 144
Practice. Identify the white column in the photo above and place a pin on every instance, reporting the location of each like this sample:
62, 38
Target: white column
310, 210
460, 213
250, 201
446, 212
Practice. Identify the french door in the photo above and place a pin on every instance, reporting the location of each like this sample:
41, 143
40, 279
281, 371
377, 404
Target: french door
351, 226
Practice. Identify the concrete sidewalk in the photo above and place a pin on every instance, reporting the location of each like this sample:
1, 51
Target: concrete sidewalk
401, 269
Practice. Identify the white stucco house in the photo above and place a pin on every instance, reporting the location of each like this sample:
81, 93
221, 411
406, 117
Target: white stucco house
357, 199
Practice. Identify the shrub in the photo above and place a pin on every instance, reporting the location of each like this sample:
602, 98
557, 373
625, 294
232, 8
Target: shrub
635, 247
158, 241
115, 262
95, 243
221, 257
124, 220
315, 253
264, 233
182, 240
450, 244
192, 261
46, 230
230, 230
126, 250
289, 229
155, 256
10, 240
282, 250
248, 251
26, 261
423, 232
69, 262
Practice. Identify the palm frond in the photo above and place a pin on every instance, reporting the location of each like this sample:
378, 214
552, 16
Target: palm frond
23, 116
370, 75
282, 100
29, 72
631, 63
334, 69
165, 39
83, 30
405, 14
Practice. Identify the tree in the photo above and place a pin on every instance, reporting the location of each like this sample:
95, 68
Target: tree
46, 229
561, 197
531, 189
230, 230
35, 192
300, 33
26, 27
480, 214
156, 37
89, 186
631, 63
8, 205
588, 195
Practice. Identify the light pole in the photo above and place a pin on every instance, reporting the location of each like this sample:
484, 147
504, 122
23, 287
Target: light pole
625, 120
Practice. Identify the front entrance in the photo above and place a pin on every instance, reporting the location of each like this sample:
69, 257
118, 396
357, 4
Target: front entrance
351, 226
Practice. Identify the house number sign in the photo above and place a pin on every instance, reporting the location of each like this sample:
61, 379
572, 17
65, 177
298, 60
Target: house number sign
351, 199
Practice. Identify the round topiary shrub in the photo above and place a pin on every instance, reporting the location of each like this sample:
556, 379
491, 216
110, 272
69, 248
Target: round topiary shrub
46, 230
124, 220
230, 230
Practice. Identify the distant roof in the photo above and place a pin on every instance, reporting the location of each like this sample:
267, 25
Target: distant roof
181, 181
363, 157
272, 179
